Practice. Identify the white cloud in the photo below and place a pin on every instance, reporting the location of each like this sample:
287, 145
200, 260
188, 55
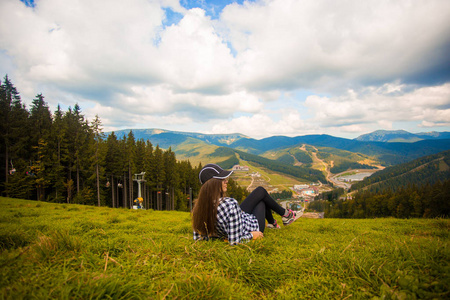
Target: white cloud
286, 122
195, 57
363, 63
324, 44
378, 106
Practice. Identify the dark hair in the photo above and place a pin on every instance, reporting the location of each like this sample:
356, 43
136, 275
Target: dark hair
204, 213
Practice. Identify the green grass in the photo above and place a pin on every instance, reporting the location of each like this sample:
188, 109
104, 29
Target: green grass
68, 251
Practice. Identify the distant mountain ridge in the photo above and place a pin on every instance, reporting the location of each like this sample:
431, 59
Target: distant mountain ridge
166, 138
401, 136
238, 140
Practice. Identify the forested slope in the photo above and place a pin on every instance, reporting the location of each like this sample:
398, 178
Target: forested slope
425, 201
425, 170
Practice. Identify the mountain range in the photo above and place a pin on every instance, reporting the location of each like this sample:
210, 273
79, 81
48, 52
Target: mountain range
308, 158
402, 136
379, 145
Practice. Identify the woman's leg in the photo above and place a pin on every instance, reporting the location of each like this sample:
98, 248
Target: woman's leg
269, 216
259, 211
260, 195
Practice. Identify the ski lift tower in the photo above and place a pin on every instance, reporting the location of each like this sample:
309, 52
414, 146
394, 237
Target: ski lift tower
139, 178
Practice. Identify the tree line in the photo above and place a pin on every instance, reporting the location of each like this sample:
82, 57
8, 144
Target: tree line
424, 201
285, 194
62, 157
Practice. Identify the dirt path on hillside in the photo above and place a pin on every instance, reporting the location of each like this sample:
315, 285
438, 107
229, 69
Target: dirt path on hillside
325, 165
329, 175
264, 177
250, 185
316, 159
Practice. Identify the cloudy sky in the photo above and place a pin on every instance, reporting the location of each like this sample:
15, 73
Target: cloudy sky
261, 68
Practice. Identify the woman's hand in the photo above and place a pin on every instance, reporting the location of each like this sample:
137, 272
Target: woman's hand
257, 235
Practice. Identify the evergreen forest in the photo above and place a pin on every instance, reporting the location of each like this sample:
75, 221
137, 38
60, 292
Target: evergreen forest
62, 157
425, 170
413, 201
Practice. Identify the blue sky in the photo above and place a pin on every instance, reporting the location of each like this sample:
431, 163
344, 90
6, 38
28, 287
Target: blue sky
261, 68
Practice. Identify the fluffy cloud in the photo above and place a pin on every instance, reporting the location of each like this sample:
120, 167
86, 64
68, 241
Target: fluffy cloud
328, 44
196, 58
286, 122
384, 105
348, 66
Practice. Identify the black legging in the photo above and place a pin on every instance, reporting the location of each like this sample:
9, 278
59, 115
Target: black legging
260, 204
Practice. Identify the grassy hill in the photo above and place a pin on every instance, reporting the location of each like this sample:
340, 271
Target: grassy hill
338, 160
63, 251
196, 151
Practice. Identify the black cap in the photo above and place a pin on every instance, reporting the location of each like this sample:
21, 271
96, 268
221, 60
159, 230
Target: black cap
212, 171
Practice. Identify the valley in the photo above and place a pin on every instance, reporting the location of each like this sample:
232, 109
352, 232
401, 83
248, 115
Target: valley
318, 163
345, 179
250, 176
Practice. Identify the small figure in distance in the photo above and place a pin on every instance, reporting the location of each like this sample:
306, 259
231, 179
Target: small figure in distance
216, 216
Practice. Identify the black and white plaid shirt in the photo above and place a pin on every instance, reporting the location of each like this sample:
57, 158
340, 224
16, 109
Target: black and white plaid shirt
233, 223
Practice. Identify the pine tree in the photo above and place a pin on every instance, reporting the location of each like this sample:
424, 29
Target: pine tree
58, 142
39, 169
98, 136
171, 178
148, 160
40, 119
130, 147
79, 138
41, 122
113, 165
14, 131
158, 175
184, 171
8, 94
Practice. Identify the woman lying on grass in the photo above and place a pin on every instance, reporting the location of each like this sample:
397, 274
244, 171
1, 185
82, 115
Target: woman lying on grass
217, 216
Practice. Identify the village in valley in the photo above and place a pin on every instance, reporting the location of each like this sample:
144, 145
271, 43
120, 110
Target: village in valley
302, 193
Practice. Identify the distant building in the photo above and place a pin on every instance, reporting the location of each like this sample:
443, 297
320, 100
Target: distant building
299, 187
240, 168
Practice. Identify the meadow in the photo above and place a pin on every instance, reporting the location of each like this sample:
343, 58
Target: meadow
64, 251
